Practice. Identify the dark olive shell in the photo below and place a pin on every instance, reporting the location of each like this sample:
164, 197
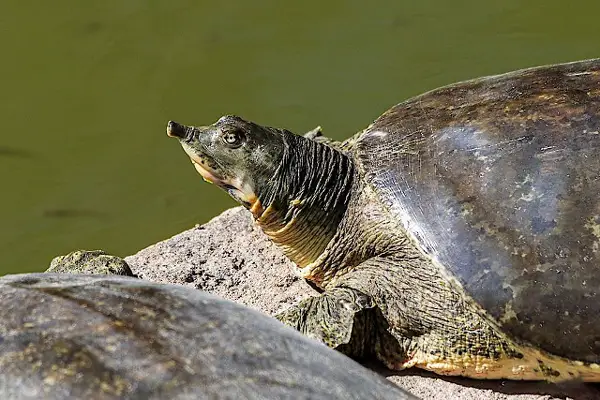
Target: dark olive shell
105, 337
498, 180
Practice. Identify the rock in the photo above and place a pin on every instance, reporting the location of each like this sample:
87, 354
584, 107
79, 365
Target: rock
89, 262
228, 256
231, 257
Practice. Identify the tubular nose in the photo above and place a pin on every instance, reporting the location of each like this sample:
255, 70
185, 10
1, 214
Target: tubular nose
176, 130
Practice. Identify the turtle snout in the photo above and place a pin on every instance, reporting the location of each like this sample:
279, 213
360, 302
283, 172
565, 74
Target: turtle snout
177, 130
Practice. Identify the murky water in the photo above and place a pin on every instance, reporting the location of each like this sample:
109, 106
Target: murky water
87, 88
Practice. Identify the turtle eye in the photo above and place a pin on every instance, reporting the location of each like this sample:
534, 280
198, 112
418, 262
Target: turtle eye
233, 139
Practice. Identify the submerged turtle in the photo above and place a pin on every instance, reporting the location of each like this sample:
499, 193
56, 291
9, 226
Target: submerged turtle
459, 232
109, 337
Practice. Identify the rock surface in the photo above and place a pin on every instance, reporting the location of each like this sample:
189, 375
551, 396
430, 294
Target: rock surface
84, 262
231, 257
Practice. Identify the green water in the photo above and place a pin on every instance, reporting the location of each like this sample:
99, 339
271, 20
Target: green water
87, 88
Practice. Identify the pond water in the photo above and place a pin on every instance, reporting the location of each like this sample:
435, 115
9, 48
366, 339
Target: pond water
89, 86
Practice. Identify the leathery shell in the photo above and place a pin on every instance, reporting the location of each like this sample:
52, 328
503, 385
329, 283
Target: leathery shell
498, 180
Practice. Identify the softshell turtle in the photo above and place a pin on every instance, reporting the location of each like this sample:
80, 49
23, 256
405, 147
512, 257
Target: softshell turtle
459, 232
68, 336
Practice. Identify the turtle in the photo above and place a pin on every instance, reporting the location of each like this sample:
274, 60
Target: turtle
459, 232
84, 336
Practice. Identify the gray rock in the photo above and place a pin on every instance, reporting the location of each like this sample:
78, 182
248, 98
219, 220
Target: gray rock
229, 257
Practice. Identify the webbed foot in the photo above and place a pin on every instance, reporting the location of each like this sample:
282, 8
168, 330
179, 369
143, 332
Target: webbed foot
342, 318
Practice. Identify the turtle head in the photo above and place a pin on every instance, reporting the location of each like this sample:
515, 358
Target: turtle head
239, 156
296, 188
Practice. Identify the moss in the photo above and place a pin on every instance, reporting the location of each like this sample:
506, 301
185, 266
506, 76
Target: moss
90, 262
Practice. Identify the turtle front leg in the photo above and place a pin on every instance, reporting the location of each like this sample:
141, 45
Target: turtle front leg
425, 321
344, 319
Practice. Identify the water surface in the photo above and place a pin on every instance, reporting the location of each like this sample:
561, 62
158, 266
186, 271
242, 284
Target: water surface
88, 87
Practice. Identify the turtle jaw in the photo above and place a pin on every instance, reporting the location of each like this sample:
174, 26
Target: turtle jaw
239, 189
206, 174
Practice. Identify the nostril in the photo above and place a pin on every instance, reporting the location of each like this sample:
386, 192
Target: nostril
176, 130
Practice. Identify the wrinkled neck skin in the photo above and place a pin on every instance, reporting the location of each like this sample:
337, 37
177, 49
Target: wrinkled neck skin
301, 208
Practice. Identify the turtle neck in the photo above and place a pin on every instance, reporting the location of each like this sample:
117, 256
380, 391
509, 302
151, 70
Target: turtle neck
306, 199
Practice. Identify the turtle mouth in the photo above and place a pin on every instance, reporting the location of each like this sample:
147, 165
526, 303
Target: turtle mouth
236, 188
208, 175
